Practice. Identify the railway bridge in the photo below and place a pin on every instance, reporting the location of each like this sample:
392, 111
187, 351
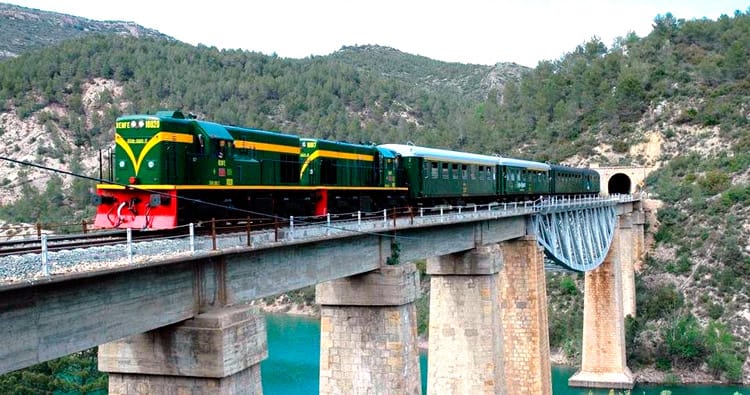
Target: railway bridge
182, 323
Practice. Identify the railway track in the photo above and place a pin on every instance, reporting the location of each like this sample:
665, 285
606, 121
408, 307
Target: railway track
71, 241
34, 244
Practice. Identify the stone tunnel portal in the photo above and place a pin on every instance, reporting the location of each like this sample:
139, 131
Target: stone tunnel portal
619, 183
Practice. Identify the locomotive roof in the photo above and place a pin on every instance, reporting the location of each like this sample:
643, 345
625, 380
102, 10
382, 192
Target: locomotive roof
462, 157
215, 130
263, 135
340, 146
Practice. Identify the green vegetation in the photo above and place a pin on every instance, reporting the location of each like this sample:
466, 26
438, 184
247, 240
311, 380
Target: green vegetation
370, 93
423, 300
565, 312
55, 205
75, 374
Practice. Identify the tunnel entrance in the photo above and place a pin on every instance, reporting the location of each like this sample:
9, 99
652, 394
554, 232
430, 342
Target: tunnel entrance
619, 183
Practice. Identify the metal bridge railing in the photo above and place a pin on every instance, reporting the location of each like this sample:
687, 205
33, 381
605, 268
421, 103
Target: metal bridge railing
296, 229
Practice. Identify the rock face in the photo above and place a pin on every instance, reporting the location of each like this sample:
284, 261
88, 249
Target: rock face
10, 232
42, 139
23, 29
499, 75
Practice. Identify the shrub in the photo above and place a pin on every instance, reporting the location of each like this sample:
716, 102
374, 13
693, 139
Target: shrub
568, 286
714, 182
658, 303
423, 314
722, 359
715, 310
685, 342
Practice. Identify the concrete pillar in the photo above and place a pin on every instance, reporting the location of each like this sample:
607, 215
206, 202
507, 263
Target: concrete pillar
217, 352
524, 317
368, 333
466, 338
627, 256
603, 362
639, 239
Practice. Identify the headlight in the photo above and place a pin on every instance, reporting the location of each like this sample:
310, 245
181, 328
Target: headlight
150, 164
133, 124
122, 163
141, 123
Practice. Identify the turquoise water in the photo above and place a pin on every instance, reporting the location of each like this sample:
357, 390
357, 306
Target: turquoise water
294, 355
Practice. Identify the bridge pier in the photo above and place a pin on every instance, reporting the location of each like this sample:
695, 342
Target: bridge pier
603, 362
639, 236
368, 333
488, 321
466, 332
217, 352
524, 317
628, 253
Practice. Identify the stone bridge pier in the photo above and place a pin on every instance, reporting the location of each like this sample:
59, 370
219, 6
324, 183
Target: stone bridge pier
603, 359
216, 352
488, 321
368, 333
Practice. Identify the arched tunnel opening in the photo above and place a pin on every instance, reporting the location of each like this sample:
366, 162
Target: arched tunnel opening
619, 183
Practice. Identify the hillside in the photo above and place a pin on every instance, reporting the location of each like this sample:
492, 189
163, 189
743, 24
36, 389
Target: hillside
676, 99
473, 82
25, 29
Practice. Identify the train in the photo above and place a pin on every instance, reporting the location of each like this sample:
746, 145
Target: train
169, 169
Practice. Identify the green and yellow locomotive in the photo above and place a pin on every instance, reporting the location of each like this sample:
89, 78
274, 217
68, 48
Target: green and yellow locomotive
170, 169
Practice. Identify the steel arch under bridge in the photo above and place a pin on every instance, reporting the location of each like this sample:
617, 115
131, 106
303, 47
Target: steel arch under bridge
575, 233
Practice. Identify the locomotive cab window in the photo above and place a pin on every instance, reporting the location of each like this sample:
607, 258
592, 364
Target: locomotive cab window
220, 148
201, 148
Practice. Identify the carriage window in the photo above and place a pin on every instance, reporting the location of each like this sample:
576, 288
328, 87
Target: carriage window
481, 172
454, 170
473, 172
490, 173
464, 172
434, 170
445, 171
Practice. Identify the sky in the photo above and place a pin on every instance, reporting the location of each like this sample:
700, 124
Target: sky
465, 31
